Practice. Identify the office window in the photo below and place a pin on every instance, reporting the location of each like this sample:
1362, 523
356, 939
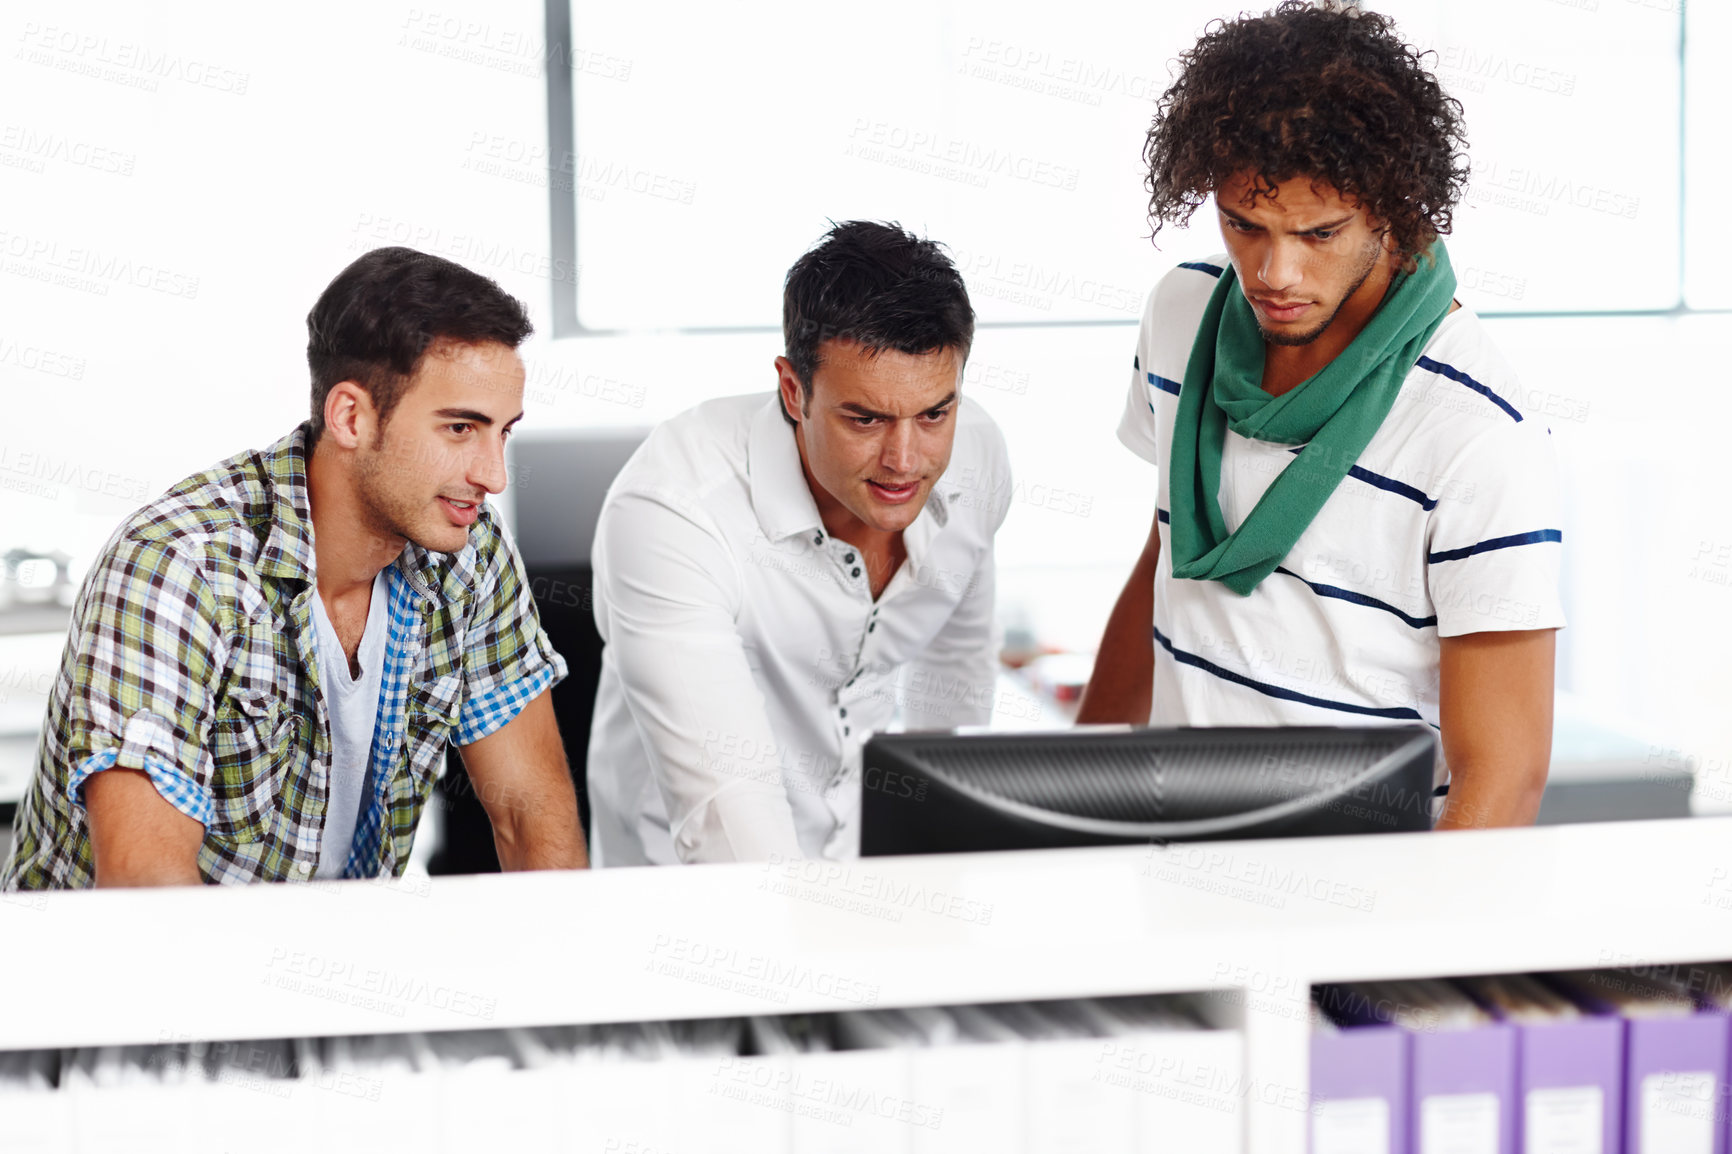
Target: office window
1572, 111
1013, 137
702, 160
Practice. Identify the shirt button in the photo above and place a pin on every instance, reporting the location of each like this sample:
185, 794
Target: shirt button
849, 559
302, 867
846, 731
843, 712
856, 572
818, 540
870, 627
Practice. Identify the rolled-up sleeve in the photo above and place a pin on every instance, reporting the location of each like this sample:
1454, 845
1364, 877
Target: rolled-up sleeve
507, 659
668, 594
151, 658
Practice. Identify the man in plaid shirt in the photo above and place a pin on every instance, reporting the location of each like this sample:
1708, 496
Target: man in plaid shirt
266, 663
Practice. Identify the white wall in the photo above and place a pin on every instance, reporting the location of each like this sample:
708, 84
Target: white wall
263, 154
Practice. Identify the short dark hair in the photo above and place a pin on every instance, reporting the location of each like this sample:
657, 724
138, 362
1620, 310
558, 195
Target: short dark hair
1324, 92
878, 286
373, 323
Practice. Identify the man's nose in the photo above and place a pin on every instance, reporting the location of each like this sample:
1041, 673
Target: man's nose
487, 468
898, 455
1281, 267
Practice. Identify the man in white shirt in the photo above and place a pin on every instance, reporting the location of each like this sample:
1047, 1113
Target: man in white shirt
1354, 521
777, 576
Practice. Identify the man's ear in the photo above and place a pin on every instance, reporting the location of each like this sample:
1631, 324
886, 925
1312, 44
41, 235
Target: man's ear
793, 394
349, 417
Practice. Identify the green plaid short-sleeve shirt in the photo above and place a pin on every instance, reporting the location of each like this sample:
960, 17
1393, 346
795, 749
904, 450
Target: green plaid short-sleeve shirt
191, 657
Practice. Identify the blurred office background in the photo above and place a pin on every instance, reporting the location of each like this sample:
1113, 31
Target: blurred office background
181, 182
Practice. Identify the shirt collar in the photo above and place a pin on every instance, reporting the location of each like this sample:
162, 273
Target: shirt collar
288, 548
450, 575
783, 501
780, 496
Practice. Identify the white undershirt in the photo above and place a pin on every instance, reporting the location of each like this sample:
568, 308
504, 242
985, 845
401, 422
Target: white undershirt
353, 704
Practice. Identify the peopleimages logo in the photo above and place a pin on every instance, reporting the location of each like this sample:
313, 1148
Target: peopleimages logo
516, 50
966, 156
368, 987
1529, 189
758, 975
40, 148
89, 269
868, 891
136, 65
36, 359
59, 471
1261, 882
1039, 70
1039, 286
825, 1099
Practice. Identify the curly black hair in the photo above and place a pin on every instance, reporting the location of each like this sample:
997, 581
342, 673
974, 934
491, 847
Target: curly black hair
1328, 93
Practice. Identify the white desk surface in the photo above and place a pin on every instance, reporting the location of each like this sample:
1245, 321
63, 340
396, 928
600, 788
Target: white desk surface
1260, 919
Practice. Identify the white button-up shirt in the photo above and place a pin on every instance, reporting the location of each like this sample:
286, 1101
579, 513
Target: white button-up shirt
746, 661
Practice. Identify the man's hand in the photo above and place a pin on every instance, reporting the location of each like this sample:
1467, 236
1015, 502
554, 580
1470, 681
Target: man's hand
1495, 705
136, 837
1122, 686
520, 775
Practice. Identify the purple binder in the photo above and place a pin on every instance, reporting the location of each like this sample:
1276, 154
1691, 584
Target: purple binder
1569, 1069
1676, 1084
1351, 1071
1464, 1089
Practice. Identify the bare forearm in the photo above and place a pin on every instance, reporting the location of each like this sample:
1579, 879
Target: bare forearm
142, 873
524, 784
543, 834
1121, 688
1489, 795
1495, 702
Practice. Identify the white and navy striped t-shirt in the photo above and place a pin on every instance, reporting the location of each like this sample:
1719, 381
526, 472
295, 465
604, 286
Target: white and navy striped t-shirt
1448, 524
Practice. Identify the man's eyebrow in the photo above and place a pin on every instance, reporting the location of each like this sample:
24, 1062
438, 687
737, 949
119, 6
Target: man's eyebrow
473, 416
1225, 211
1328, 226
859, 410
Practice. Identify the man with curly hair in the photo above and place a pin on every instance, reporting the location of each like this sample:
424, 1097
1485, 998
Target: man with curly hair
1355, 522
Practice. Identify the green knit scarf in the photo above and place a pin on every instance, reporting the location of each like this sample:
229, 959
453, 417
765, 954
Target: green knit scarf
1333, 414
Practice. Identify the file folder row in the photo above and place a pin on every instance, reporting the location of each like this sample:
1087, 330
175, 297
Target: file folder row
1119, 1074
1606, 1061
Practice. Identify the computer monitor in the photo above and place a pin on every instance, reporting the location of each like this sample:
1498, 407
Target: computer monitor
958, 793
